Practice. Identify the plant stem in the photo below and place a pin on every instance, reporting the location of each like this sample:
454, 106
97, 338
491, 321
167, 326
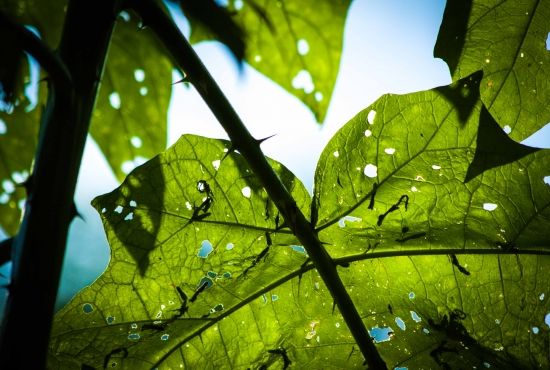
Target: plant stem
187, 59
39, 247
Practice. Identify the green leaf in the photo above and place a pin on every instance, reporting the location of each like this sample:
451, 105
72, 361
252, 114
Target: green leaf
508, 41
217, 20
129, 122
471, 253
296, 43
191, 215
18, 134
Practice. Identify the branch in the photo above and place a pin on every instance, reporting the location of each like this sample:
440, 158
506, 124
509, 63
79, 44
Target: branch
39, 247
31, 44
187, 59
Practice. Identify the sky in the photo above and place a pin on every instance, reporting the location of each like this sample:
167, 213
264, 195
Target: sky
388, 48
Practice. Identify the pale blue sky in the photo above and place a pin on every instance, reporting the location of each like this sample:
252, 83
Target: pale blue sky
388, 47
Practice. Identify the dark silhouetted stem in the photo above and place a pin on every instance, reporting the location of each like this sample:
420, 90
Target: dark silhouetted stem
187, 59
39, 248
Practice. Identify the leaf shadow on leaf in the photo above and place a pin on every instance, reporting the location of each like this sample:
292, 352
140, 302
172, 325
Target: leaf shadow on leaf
452, 33
464, 95
494, 148
140, 236
458, 348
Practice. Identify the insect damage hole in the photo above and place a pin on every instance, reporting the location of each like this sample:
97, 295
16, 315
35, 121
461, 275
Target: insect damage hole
370, 170
371, 116
205, 249
246, 191
489, 206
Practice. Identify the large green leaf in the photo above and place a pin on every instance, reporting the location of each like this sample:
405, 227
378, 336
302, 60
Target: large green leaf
130, 119
18, 134
186, 217
296, 43
507, 39
19, 119
455, 273
460, 222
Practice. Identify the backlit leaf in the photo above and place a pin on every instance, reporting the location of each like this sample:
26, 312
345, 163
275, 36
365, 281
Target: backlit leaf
187, 217
296, 43
449, 276
457, 264
508, 40
129, 122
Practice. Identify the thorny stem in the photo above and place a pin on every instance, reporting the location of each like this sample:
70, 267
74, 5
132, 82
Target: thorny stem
186, 58
39, 248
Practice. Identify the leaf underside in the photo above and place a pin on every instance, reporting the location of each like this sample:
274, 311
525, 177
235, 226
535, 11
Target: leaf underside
507, 40
295, 43
454, 271
130, 120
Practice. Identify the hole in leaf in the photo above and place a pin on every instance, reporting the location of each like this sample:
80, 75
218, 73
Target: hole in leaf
371, 116
227, 275
274, 297
415, 316
238, 4
136, 141
541, 297
164, 337
119, 209
257, 58
4, 198
400, 323
217, 308
216, 164
368, 133
134, 336
211, 274
336, 154
143, 91
110, 320
342, 221
303, 81
381, 334
319, 96
114, 100
414, 189
436, 167
298, 248
133, 203
205, 249
389, 151
547, 319
548, 41
546, 180
507, 129
8, 186
124, 16
129, 216
246, 191
535, 330
229, 246
3, 127
87, 308
302, 46
370, 170
139, 75
489, 206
